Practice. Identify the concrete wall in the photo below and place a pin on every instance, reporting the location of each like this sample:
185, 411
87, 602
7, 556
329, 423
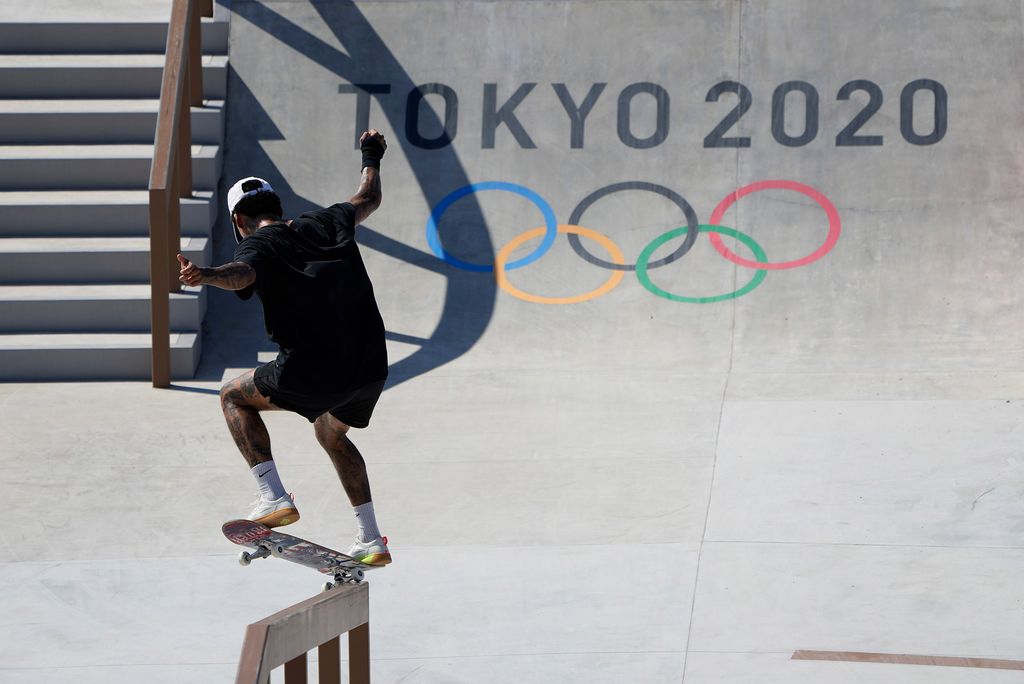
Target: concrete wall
628, 488
920, 278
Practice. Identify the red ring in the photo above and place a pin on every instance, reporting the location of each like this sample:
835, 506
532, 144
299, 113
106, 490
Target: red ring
824, 202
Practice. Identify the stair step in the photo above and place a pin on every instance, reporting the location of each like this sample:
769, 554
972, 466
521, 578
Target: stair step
90, 36
96, 356
66, 213
93, 308
51, 260
59, 122
98, 76
94, 167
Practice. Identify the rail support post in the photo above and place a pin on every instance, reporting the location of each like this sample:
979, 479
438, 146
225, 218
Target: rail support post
287, 636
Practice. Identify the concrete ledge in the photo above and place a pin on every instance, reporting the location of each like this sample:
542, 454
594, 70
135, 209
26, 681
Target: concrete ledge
122, 356
86, 259
65, 213
93, 308
98, 76
100, 35
59, 122
100, 167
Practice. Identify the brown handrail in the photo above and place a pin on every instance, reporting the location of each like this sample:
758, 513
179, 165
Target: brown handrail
170, 177
286, 637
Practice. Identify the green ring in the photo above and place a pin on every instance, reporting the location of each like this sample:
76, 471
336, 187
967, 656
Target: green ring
645, 256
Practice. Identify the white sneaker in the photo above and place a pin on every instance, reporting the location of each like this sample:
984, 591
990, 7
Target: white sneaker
373, 552
274, 512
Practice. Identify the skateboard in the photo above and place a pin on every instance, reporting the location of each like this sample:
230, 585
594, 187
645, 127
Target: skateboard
268, 542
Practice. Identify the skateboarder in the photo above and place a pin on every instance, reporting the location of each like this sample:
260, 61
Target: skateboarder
318, 306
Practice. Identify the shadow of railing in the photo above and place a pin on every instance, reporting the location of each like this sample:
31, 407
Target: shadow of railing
468, 303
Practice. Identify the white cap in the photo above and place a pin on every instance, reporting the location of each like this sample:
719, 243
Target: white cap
247, 187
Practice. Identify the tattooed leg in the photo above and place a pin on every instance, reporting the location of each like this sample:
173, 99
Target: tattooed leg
242, 403
347, 460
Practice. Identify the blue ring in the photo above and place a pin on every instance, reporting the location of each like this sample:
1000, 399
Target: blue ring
550, 223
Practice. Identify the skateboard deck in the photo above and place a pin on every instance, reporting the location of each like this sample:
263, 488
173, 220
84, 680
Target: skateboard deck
269, 542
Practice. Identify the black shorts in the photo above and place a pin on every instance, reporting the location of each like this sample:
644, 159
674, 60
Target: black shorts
353, 406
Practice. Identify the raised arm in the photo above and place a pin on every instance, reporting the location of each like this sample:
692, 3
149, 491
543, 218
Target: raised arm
368, 195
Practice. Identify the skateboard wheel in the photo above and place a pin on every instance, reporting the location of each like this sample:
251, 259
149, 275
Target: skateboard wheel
357, 575
328, 586
276, 550
244, 558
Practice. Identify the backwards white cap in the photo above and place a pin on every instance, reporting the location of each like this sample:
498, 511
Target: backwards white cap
247, 187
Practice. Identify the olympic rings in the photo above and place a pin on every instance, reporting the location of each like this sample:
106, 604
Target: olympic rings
824, 202
642, 266
550, 222
680, 201
608, 286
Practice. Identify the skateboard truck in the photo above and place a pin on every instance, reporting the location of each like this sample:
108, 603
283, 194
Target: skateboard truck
355, 576
275, 550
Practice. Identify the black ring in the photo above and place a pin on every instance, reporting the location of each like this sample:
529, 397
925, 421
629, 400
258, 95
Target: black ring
692, 224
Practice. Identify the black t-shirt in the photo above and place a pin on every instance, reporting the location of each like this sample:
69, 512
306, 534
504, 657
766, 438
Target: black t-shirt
318, 302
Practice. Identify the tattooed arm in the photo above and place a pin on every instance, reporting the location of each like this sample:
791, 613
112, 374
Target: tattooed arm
368, 194
233, 276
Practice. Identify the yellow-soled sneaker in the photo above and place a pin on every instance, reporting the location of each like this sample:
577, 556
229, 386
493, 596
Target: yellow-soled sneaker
373, 552
275, 512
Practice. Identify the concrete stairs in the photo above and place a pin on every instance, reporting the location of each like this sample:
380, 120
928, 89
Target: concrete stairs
78, 108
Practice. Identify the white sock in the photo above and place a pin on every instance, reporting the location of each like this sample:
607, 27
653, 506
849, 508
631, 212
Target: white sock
268, 480
367, 522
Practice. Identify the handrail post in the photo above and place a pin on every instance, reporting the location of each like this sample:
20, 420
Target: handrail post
160, 272
170, 177
182, 164
295, 671
173, 227
195, 58
359, 654
183, 160
329, 661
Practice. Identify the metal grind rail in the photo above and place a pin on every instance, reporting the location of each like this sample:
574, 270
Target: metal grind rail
285, 638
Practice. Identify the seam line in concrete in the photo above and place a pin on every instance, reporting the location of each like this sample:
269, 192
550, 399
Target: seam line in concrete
725, 388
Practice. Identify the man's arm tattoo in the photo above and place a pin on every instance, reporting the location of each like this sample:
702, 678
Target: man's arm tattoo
368, 195
234, 276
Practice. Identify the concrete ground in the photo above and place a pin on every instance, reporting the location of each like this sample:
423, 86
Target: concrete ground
627, 488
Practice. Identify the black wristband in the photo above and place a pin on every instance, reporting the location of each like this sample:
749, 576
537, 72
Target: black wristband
373, 150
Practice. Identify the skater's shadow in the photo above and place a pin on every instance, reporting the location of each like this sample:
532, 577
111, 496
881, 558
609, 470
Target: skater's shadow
234, 337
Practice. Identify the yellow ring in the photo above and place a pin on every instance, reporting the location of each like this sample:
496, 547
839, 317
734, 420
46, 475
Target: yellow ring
603, 240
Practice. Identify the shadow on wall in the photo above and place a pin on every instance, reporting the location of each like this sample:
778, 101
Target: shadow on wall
233, 333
